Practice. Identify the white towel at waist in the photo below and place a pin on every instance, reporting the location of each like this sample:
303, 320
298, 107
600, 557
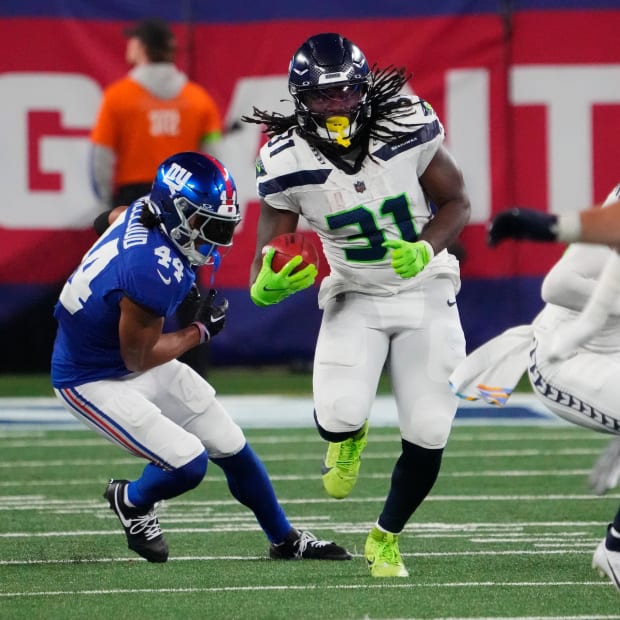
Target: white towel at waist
492, 371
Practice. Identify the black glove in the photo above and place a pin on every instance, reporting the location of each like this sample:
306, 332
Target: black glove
187, 308
209, 317
521, 223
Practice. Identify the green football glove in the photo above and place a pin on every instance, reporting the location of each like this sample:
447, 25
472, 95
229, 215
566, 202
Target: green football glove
408, 258
272, 287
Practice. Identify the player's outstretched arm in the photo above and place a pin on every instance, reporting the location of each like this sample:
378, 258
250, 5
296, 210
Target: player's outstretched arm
521, 223
569, 336
601, 225
594, 225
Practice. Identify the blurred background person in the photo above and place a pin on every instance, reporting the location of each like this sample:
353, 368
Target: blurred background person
146, 116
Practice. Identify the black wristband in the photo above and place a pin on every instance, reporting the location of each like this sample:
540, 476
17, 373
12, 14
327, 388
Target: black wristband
101, 222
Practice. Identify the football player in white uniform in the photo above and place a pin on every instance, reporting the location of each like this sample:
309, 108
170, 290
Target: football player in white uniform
365, 165
573, 371
116, 371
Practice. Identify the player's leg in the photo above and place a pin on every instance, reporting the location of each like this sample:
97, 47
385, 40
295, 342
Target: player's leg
605, 473
191, 402
422, 357
583, 389
349, 357
119, 411
606, 558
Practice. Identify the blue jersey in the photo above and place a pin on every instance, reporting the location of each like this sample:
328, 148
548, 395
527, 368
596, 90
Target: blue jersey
131, 261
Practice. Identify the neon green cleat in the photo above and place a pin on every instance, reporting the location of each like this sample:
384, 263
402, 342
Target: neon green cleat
382, 554
342, 464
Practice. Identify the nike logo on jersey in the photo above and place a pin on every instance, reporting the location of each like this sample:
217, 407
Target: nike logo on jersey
163, 277
451, 303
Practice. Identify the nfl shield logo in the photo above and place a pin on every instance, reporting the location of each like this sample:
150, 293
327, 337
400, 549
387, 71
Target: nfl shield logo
359, 186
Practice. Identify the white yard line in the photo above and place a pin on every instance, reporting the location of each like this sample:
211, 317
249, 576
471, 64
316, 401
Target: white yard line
363, 586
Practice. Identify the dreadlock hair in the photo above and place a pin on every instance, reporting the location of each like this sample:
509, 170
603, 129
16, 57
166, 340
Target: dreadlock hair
148, 218
382, 100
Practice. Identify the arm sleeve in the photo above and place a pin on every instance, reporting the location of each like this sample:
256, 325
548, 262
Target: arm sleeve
572, 280
212, 130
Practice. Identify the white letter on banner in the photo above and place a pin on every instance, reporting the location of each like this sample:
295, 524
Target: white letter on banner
76, 98
467, 135
569, 93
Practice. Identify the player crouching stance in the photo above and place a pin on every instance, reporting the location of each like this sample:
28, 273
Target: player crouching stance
116, 370
571, 351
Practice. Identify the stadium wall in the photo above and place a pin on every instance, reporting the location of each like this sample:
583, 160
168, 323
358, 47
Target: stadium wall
529, 93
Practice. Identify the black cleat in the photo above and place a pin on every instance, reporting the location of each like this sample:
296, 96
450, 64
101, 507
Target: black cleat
300, 545
144, 535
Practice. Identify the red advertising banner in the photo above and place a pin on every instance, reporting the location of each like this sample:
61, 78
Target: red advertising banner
530, 103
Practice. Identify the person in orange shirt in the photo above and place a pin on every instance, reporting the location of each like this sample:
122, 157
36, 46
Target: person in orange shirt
151, 113
145, 117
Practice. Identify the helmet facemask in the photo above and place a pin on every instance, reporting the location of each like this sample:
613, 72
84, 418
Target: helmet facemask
329, 79
203, 229
195, 198
334, 113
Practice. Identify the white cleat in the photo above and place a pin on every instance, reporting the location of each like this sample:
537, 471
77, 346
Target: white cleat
607, 563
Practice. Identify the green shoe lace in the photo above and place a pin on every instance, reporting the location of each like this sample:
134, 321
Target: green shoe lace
346, 455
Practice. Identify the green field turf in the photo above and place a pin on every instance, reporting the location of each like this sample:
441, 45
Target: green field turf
508, 532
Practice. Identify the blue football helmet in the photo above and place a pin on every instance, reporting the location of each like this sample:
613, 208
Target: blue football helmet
196, 199
329, 79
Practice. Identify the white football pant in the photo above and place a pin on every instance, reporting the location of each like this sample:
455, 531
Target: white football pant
167, 415
417, 332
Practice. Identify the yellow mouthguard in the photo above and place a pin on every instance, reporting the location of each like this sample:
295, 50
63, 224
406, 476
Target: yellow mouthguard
337, 125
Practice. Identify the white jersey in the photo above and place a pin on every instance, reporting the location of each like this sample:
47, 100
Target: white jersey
354, 213
567, 289
583, 388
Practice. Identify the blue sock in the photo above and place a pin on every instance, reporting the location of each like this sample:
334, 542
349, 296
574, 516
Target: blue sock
157, 483
250, 485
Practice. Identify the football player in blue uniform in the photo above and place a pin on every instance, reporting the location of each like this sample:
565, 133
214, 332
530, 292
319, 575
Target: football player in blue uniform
115, 369
365, 165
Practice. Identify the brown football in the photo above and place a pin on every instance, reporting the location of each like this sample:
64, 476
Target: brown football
289, 245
